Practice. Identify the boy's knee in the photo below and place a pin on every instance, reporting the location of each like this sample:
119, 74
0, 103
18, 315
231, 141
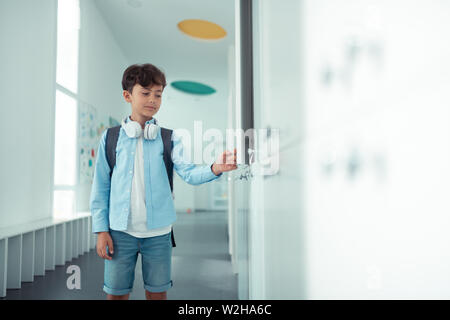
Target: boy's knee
156, 295
115, 297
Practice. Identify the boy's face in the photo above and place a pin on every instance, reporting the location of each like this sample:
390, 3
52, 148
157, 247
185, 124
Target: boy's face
145, 101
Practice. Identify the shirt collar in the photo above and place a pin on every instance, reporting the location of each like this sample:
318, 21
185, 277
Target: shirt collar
152, 120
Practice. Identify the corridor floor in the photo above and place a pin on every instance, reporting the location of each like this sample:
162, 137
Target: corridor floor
201, 267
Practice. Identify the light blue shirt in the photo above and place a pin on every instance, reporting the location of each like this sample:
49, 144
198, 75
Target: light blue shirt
111, 197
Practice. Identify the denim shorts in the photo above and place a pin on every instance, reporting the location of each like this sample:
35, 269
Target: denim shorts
156, 256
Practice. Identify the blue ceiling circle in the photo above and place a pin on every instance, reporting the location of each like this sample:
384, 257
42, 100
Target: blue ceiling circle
193, 87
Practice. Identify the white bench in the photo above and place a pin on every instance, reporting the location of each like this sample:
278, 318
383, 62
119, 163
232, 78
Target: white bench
30, 249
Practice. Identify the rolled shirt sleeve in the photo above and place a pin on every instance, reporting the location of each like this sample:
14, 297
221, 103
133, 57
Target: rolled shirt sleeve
189, 172
101, 185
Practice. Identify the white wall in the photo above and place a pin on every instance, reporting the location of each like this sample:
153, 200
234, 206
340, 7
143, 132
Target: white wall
27, 92
359, 209
378, 151
102, 64
276, 228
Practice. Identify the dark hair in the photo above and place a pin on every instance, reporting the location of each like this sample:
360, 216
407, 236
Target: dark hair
143, 74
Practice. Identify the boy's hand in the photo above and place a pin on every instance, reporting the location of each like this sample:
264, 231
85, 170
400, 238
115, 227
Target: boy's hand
225, 162
104, 239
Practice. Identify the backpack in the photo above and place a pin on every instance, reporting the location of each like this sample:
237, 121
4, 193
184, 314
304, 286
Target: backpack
112, 135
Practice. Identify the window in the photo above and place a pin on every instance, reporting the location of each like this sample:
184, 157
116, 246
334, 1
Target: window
67, 44
66, 109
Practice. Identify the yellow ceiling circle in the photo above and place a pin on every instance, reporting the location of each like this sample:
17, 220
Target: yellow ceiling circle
202, 29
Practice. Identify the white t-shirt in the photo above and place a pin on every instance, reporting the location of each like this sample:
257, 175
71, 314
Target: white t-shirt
137, 220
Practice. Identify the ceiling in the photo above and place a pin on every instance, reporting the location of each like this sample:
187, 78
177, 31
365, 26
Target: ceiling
149, 33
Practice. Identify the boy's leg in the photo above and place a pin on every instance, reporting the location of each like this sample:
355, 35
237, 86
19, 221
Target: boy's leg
156, 295
112, 297
156, 253
119, 271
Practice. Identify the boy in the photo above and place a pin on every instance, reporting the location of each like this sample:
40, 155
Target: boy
132, 208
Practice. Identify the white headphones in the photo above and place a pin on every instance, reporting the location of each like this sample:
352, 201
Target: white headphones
133, 129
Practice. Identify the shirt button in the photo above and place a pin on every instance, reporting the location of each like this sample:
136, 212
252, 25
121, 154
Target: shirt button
131, 171
132, 152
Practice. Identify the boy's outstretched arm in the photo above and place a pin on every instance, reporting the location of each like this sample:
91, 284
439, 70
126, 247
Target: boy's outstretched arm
101, 185
198, 174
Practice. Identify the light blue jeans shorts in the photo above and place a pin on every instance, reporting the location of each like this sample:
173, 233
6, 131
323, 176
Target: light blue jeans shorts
156, 256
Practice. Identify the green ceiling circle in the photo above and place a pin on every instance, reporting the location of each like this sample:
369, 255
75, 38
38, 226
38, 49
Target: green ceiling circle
193, 87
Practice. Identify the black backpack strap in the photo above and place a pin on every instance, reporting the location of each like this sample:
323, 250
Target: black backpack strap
112, 135
166, 135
